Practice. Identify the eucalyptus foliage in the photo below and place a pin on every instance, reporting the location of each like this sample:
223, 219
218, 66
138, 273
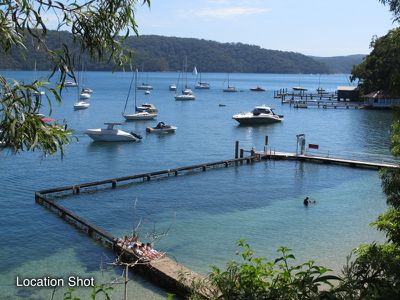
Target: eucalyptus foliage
380, 70
99, 29
394, 6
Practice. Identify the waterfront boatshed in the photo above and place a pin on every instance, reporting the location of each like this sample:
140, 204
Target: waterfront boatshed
348, 93
381, 100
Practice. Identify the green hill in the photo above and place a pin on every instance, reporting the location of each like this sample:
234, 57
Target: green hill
160, 53
340, 64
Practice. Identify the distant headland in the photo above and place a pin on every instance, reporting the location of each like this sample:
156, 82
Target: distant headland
161, 53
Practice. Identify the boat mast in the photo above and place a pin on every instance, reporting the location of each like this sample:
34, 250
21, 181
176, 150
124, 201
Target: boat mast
136, 78
185, 70
129, 92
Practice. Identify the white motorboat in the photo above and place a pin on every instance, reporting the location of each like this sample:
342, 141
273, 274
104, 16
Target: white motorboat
147, 92
260, 115
81, 105
145, 86
184, 97
162, 127
150, 108
84, 95
110, 134
139, 114
87, 90
69, 83
172, 87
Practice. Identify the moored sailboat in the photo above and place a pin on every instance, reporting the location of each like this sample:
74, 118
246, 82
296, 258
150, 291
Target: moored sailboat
138, 114
187, 93
230, 88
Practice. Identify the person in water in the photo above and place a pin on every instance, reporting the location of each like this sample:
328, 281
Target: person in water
307, 201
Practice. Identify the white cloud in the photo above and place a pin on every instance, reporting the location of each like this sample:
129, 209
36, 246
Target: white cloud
230, 11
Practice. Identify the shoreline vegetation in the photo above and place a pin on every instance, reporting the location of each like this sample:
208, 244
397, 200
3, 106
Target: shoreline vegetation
155, 53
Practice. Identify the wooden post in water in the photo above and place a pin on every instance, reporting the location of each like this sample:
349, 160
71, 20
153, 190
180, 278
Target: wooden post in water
241, 155
236, 149
126, 282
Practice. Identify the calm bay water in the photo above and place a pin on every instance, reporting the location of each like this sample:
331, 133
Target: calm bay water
205, 213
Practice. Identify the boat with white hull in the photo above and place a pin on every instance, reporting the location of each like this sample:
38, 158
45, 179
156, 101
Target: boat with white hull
230, 88
142, 115
81, 105
110, 134
84, 95
187, 93
139, 113
161, 128
150, 108
260, 115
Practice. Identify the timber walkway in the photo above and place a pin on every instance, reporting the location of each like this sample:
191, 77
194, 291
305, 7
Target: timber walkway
166, 272
327, 160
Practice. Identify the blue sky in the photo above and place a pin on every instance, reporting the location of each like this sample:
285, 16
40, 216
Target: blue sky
312, 27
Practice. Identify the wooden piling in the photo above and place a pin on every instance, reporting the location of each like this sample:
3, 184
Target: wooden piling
241, 155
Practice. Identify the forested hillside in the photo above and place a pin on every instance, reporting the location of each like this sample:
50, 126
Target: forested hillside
159, 53
340, 64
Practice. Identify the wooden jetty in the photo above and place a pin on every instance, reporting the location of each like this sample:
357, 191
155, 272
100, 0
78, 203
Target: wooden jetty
166, 272
304, 95
327, 160
323, 104
325, 100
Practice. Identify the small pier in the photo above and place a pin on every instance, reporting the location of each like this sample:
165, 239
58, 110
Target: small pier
284, 94
325, 100
166, 272
163, 272
323, 104
327, 160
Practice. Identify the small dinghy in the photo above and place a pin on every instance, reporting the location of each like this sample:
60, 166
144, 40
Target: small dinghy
161, 127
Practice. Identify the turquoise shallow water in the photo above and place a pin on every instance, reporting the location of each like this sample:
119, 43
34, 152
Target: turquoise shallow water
206, 212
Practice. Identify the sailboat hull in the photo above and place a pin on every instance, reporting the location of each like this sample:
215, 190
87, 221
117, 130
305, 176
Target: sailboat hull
184, 97
140, 116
